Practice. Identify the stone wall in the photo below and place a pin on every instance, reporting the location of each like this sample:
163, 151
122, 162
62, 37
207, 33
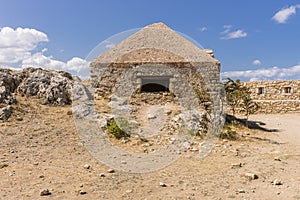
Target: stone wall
276, 96
197, 81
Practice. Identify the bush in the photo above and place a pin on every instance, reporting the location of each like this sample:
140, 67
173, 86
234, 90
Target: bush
115, 130
228, 133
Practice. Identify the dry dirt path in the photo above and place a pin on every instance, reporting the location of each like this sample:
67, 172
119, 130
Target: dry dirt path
288, 126
44, 151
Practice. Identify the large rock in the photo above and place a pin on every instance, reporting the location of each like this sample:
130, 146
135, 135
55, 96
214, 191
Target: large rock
53, 86
8, 83
6, 112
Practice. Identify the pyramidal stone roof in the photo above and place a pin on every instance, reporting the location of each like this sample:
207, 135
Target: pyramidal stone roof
155, 43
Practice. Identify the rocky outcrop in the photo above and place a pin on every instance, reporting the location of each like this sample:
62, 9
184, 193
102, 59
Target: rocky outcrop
6, 112
54, 87
8, 84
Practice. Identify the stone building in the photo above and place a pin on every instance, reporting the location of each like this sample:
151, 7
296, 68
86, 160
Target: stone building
155, 71
276, 96
157, 59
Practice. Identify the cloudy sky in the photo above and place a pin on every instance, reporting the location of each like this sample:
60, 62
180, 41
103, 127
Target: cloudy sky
254, 40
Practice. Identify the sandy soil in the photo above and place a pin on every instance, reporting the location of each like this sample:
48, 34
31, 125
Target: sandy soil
40, 150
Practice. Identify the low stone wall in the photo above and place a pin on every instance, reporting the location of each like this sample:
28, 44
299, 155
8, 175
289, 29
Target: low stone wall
276, 96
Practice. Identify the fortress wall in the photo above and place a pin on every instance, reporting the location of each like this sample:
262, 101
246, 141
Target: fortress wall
276, 96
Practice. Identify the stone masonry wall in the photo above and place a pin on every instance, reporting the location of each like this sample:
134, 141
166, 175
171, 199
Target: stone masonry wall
276, 96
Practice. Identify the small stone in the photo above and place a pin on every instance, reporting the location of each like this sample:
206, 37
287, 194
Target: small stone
82, 192
277, 159
236, 165
277, 182
241, 191
123, 162
86, 166
129, 191
12, 173
19, 119
251, 176
161, 184
69, 112
3, 165
186, 145
111, 171
168, 112
45, 192
102, 175
178, 152
151, 116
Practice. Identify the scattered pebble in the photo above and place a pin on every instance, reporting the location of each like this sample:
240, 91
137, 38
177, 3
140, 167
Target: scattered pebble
123, 162
251, 176
45, 192
277, 182
3, 165
236, 165
19, 119
102, 175
111, 171
82, 192
277, 159
161, 184
12, 173
129, 191
241, 191
151, 116
86, 166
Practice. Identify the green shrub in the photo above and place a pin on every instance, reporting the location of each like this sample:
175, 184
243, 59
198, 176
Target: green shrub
228, 133
115, 130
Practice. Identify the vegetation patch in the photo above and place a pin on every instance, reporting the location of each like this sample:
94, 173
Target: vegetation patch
116, 129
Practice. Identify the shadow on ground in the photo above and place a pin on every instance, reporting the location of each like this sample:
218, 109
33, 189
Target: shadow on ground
249, 124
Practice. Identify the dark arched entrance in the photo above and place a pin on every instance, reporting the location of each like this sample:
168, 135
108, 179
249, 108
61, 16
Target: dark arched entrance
154, 87
155, 83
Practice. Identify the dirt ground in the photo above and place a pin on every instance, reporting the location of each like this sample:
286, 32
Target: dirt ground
40, 150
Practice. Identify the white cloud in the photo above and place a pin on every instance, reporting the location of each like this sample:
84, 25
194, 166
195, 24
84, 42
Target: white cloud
273, 73
40, 60
284, 14
229, 34
24, 38
76, 65
227, 29
17, 47
202, 29
256, 62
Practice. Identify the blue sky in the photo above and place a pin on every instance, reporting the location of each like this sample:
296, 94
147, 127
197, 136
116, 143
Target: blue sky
253, 40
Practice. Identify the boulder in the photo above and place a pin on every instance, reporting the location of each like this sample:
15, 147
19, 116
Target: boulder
53, 86
8, 84
6, 112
